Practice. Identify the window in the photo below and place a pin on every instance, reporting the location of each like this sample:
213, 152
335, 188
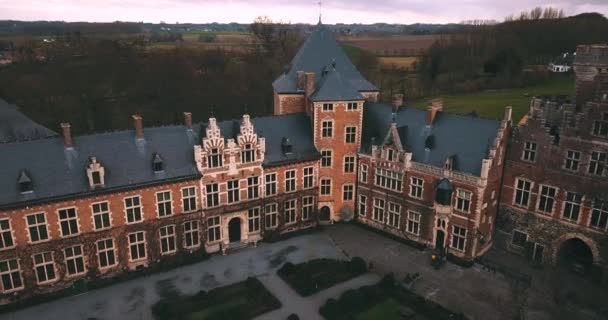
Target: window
349, 164
522, 192
519, 239
101, 215
600, 128
572, 160
96, 177
463, 200
213, 229
167, 239
546, 199
247, 154
363, 173
378, 210
416, 187
390, 155
351, 106
394, 214
326, 158
325, 187
327, 129
290, 181
214, 159
10, 273
350, 134
389, 179
597, 163
137, 245
271, 184
328, 107
105, 253
36, 225
309, 174
413, 223
44, 266
6, 235
191, 234
348, 191
213, 195
307, 207
271, 215
189, 199
459, 239
290, 211
599, 214
253, 187
362, 205
253, 216
74, 260
233, 191
133, 209
529, 153
572, 206
68, 222
163, 203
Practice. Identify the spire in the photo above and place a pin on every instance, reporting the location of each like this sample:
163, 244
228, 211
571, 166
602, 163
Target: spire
320, 11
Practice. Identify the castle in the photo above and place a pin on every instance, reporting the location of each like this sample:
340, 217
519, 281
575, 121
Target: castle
100, 204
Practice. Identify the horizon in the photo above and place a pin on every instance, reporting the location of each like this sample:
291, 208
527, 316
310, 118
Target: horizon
304, 12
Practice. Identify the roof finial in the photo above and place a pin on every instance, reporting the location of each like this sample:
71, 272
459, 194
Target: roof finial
320, 10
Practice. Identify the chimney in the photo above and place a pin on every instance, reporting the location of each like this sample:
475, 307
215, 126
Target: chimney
138, 125
188, 120
310, 83
67, 134
436, 106
300, 80
397, 101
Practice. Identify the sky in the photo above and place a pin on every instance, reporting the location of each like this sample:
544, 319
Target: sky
294, 11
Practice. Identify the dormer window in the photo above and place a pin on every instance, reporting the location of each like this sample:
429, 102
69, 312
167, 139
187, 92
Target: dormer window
444, 192
157, 163
95, 173
247, 154
286, 146
214, 159
390, 154
25, 183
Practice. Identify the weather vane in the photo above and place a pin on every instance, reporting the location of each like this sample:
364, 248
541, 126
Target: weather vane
320, 10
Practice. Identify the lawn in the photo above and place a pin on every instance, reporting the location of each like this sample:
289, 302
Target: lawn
385, 310
239, 301
316, 275
491, 103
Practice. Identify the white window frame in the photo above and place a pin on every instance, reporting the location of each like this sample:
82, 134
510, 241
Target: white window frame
270, 180
327, 107
215, 158
106, 251
529, 151
416, 188
378, 210
327, 129
325, 186
290, 212
464, 199
98, 212
572, 160
413, 223
362, 208
598, 163
139, 242
72, 222
45, 263
248, 153
352, 106
271, 215
12, 267
6, 235
513, 238
290, 181
253, 187
135, 208
458, 239
327, 158
37, 225
599, 207
189, 199
165, 204
308, 205
167, 238
571, 206
233, 191
192, 234
389, 179
363, 173
524, 192
547, 197
214, 227
349, 164
212, 195
350, 134
394, 215
309, 177
253, 220
348, 192
73, 258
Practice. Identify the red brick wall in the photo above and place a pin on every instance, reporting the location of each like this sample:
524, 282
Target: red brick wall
289, 103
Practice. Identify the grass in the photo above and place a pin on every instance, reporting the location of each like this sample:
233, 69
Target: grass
316, 275
239, 301
491, 103
385, 310
397, 62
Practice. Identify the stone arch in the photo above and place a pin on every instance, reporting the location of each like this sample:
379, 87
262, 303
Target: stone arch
557, 245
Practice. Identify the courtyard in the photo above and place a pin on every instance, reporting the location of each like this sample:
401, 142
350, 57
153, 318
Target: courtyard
476, 292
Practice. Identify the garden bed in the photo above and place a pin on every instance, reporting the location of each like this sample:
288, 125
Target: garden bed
316, 275
239, 301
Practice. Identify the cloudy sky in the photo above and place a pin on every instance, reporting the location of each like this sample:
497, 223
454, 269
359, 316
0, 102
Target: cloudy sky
347, 11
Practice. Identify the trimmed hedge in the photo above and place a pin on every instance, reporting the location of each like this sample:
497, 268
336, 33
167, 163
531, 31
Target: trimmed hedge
407, 242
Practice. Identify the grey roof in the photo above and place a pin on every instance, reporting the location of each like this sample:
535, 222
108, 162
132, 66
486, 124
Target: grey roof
318, 52
57, 172
333, 87
15, 126
465, 137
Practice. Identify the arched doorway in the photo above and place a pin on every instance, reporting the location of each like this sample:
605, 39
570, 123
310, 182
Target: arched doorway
575, 255
439, 240
325, 214
234, 230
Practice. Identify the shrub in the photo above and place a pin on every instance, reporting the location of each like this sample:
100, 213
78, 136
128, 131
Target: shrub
357, 265
287, 269
293, 316
330, 309
388, 281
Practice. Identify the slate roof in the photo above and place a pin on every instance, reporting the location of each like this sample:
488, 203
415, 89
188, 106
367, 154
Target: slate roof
333, 87
57, 172
318, 52
15, 126
465, 137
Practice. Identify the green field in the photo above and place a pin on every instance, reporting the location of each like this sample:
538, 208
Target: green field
386, 310
491, 103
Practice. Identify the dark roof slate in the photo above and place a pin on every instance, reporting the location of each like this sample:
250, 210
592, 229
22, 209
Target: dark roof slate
464, 137
333, 87
15, 126
319, 52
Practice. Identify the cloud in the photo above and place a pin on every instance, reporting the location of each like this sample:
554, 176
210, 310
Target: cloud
347, 11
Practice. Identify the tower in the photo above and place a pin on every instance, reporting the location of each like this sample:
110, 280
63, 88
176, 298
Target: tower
591, 68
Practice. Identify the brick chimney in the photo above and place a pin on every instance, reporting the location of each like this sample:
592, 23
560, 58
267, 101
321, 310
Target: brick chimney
397, 101
188, 120
67, 134
300, 80
310, 83
138, 125
436, 106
